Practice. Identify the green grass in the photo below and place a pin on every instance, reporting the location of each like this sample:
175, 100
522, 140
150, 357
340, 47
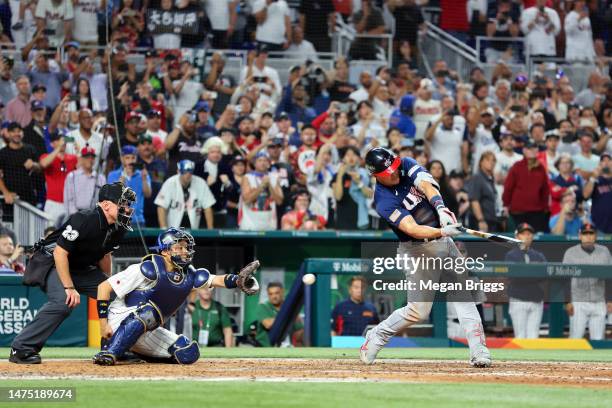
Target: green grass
181, 394
458, 353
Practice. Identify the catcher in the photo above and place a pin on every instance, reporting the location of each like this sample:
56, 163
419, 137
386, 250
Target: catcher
150, 292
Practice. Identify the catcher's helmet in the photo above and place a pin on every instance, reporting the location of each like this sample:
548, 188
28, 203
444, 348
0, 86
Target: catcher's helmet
382, 162
171, 236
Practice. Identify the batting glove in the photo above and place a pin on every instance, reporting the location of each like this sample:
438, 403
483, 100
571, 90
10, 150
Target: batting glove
451, 230
446, 216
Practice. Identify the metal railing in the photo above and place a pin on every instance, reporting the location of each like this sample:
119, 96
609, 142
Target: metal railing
29, 222
436, 44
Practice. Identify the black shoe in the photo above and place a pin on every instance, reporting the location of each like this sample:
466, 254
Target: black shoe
104, 358
24, 357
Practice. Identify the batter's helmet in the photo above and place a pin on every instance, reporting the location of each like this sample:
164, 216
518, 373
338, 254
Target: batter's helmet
171, 236
382, 162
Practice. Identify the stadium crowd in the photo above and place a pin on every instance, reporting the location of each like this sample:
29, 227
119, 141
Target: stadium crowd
213, 150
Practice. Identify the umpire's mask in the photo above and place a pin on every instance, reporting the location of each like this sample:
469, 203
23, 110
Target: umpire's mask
123, 197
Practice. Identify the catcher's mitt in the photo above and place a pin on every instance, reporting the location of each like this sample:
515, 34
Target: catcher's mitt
246, 282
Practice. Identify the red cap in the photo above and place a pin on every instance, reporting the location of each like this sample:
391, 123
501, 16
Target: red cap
88, 151
587, 227
132, 115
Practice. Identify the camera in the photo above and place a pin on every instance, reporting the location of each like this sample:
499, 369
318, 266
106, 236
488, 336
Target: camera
260, 79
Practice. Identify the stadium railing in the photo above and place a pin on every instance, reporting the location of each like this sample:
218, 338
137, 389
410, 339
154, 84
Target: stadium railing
28, 222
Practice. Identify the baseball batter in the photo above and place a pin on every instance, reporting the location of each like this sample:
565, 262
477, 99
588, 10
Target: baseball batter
408, 198
150, 292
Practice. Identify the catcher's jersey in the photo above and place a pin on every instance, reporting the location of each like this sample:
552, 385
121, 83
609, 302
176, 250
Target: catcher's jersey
395, 203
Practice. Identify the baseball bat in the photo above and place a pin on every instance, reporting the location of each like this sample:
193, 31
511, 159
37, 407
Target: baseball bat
489, 236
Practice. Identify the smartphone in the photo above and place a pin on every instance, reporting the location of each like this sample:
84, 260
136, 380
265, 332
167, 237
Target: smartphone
48, 31
138, 166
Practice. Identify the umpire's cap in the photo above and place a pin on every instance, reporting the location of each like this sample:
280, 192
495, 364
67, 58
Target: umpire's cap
382, 162
115, 192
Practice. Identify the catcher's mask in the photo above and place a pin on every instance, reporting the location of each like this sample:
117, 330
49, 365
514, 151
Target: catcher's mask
166, 241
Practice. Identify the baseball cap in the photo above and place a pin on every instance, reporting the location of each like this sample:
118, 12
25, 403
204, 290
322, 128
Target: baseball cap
276, 141
73, 44
128, 149
282, 115
202, 106
57, 135
5, 124
132, 115
587, 227
426, 84
238, 159
229, 130
604, 155
552, 133
186, 166
488, 111
523, 226
88, 151
37, 105
530, 143
111, 192
144, 138
39, 87
153, 113
260, 154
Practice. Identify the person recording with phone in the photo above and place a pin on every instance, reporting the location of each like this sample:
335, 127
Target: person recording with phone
136, 177
540, 24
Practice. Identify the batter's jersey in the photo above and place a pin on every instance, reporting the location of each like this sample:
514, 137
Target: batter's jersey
395, 203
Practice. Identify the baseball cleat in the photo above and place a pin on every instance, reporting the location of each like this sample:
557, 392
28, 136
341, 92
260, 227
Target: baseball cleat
24, 357
104, 358
368, 350
482, 359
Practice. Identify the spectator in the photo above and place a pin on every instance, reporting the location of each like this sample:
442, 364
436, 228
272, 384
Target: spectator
352, 316
9, 255
273, 24
56, 166
351, 191
266, 314
186, 91
83, 184
182, 143
36, 133
502, 26
261, 194
585, 161
301, 218
566, 180
55, 17
301, 48
222, 16
363, 92
526, 192
257, 71
401, 118
98, 83
86, 21
85, 136
155, 132
541, 25
483, 195
408, 21
82, 97
319, 175
204, 130
340, 88
183, 198
501, 96
425, 108
239, 168
221, 83
578, 34
316, 19
567, 221
212, 325
599, 189
369, 129
155, 167
594, 90
55, 82
138, 180
277, 149
217, 178
128, 22
549, 156
588, 305
167, 41
525, 295
445, 141
438, 172
568, 144
8, 88
18, 108
479, 137
17, 162
369, 20
23, 25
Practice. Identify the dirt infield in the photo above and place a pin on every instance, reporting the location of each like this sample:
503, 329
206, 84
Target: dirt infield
422, 371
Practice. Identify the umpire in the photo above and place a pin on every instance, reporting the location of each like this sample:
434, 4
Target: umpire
75, 258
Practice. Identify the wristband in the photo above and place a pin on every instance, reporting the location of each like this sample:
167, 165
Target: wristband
68, 287
230, 281
102, 309
437, 202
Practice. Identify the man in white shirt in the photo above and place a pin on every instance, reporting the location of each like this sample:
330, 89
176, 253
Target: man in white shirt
57, 17
445, 141
86, 21
363, 93
222, 16
425, 108
261, 73
301, 48
182, 199
505, 160
85, 136
578, 34
273, 23
186, 92
540, 24
158, 135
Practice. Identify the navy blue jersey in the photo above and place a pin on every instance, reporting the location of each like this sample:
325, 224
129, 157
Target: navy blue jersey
351, 319
395, 203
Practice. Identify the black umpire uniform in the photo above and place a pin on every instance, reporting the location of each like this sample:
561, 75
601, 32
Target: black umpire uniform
87, 236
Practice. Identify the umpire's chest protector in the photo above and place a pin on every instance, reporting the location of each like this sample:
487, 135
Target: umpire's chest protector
170, 288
